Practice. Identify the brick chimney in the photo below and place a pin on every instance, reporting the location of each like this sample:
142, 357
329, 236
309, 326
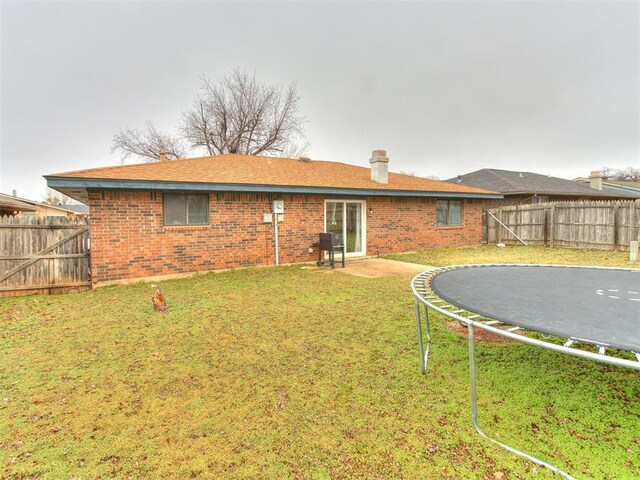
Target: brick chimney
379, 166
162, 156
595, 180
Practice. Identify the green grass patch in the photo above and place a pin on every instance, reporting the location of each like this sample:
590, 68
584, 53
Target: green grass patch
441, 257
288, 372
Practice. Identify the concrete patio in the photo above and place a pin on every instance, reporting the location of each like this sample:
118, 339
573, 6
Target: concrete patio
379, 267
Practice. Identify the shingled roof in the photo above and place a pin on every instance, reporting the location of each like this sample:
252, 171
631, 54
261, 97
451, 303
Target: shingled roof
613, 185
510, 182
8, 202
233, 172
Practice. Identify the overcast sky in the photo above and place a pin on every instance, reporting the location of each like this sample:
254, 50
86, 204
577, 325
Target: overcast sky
445, 87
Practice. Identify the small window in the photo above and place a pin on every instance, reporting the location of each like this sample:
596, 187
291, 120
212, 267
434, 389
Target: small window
539, 199
186, 209
449, 212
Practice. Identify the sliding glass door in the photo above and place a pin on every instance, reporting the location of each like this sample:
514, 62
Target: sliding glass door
347, 217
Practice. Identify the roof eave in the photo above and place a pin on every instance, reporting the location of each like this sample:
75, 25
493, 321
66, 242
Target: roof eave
17, 207
58, 182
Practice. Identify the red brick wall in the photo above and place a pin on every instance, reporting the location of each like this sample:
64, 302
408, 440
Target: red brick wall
129, 240
396, 225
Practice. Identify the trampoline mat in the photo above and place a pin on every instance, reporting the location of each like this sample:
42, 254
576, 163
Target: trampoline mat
601, 306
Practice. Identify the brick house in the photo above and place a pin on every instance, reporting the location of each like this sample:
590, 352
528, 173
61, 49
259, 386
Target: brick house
209, 213
526, 188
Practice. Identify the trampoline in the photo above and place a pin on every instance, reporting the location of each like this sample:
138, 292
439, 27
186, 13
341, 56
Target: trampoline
587, 312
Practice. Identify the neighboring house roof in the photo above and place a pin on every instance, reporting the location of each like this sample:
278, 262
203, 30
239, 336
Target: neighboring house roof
27, 205
78, 208
248, 173
614, 185
510, 182
61, 208
624, 183
8, 202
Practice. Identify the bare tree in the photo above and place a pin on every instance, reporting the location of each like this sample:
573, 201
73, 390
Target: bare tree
237, 114
412, 174
629, 174
147, 145
51, 197
607, 172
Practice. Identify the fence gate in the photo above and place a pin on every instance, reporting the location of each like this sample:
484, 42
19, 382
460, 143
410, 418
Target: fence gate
43, 255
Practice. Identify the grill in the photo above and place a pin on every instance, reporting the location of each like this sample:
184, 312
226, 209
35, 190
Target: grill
330, 242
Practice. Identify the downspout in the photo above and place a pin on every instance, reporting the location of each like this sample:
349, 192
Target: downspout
275, 219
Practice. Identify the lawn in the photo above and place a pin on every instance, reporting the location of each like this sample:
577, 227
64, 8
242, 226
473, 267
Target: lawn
292, 372
441, 257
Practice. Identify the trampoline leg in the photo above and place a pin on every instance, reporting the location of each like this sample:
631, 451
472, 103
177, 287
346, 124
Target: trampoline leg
474, 413
424, 351
427, 327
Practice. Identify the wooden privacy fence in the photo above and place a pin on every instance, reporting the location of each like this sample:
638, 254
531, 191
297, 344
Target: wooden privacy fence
605, 225
43, 255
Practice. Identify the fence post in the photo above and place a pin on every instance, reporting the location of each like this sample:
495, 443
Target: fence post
632, 221
616, 247
518, 226
552, 228
500, 226
485, 215
545, 226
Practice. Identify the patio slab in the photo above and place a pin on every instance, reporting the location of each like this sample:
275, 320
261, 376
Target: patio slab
382, 267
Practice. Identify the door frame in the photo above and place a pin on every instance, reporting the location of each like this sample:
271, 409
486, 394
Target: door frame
363, 233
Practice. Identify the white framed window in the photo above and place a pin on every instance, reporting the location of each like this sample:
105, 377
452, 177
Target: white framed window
186, 209
448, 212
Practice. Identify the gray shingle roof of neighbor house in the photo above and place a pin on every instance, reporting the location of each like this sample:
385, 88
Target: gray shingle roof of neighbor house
510, 182
625, 183
613, 185
78, 208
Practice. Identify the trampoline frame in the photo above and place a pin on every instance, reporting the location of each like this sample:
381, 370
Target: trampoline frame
424, 295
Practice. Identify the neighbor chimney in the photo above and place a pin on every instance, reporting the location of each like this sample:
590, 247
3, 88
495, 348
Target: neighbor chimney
379, 166
595, 180
162, 156
15, 193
